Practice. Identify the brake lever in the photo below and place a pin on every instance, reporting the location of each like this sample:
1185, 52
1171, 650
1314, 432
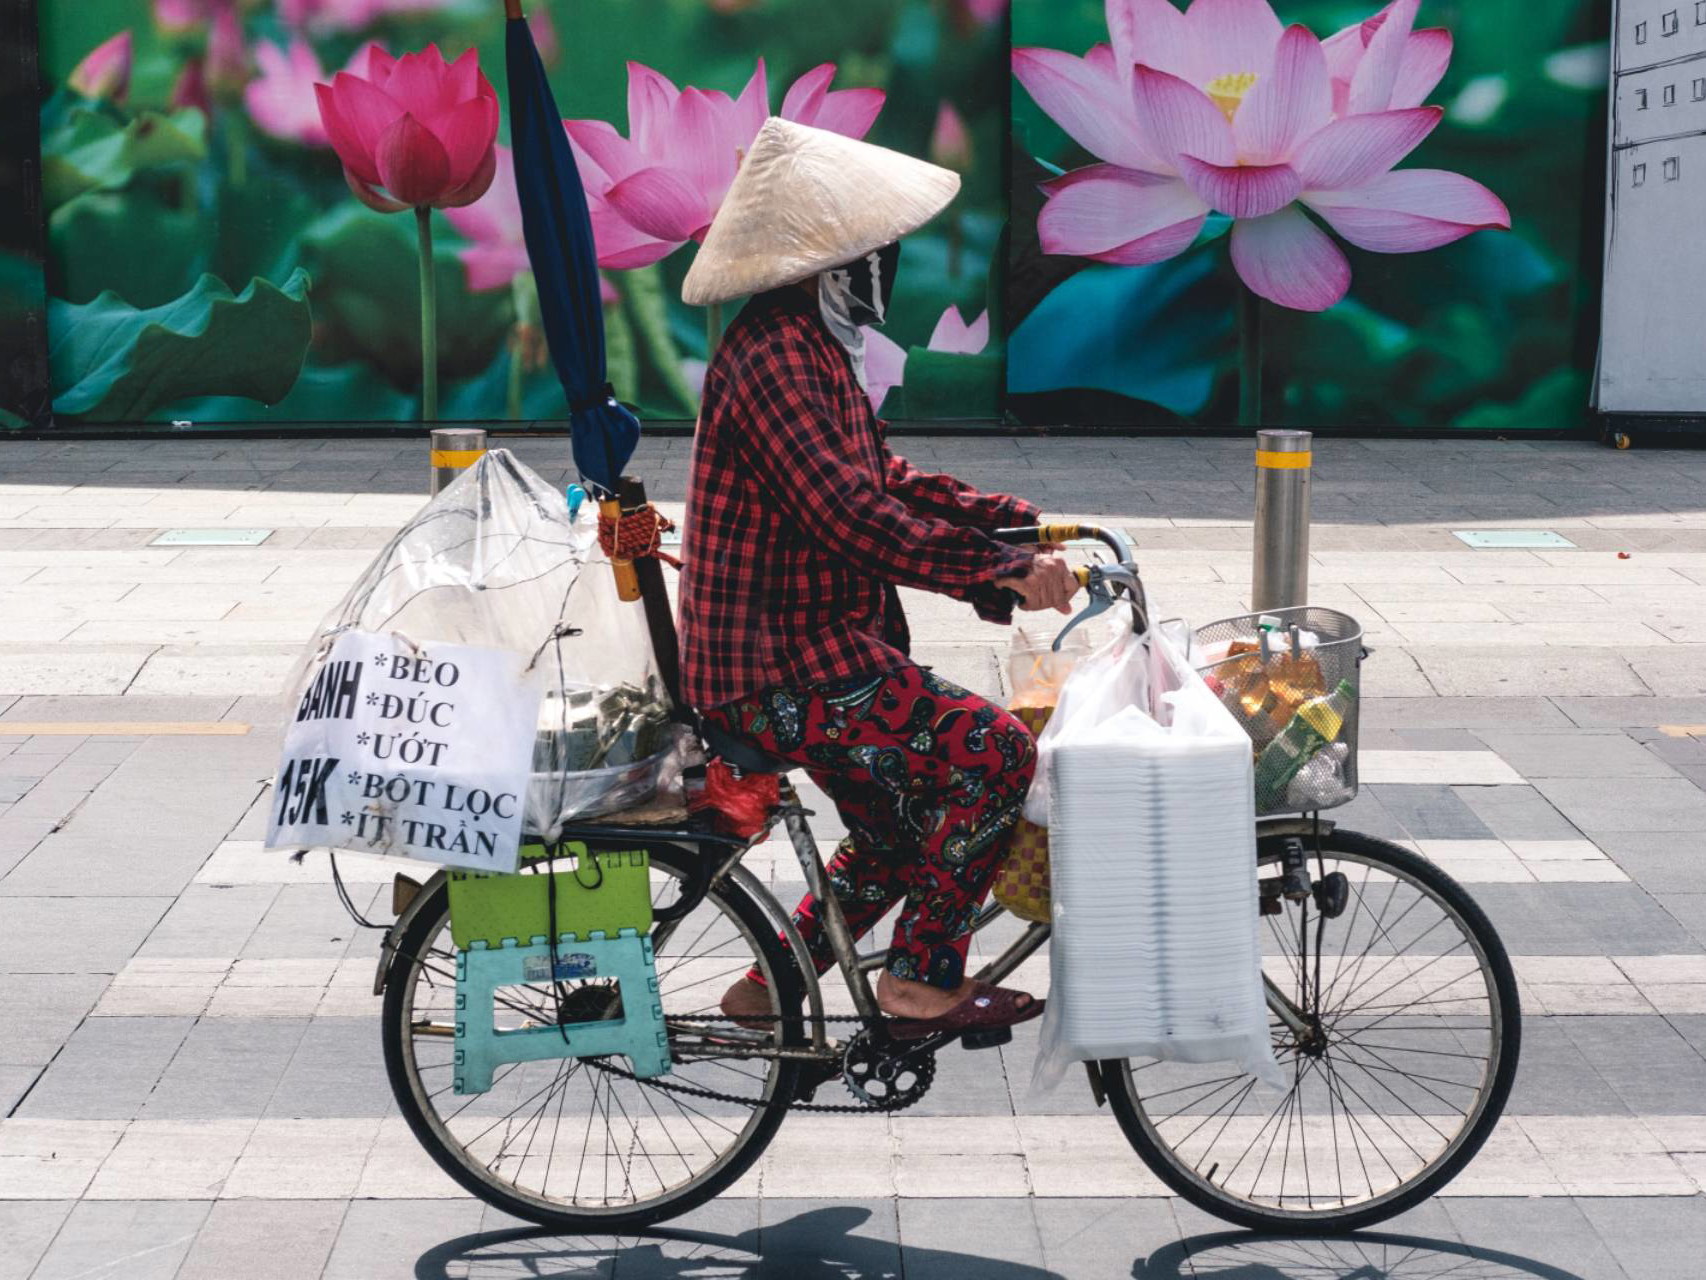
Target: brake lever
1103, 577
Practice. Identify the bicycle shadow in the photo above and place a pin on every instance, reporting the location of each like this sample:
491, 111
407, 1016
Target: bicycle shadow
1369, 1255
528, 1253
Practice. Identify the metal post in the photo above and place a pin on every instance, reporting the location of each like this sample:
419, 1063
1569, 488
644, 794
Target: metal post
1281, 577
454, 450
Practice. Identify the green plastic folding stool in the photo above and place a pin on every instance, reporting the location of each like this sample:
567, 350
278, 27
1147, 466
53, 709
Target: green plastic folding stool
500, 925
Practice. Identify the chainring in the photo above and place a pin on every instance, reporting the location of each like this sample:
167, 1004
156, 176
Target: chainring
884, 1079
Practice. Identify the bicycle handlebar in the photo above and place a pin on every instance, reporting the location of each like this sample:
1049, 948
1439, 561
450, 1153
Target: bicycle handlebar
1032, 535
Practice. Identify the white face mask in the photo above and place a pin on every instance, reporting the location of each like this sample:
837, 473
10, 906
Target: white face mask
857, 295
835, 301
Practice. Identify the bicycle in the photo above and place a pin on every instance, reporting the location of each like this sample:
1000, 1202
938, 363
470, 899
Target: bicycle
1392, 1005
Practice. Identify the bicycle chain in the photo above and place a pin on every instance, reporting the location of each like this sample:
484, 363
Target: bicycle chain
715, 1095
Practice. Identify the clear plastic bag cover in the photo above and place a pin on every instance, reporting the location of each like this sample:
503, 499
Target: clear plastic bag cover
495, 560
1155, 951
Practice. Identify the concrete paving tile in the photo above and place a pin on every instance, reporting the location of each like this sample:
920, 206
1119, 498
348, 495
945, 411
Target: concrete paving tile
1688, 910
387, 1239
397, 1168
144, 1239
226, 1244
302, 1159
1633, 804
1583, 919
28, 1227
41, 1010
210, 920
1429, 812
1517, 813
107, 1069
227, 1067
1504, 671
171, 1160
74, 935
1605, 711
1602, 755
1524, 1234
1653, 1239
304, 920
52, 1159
102, 669
336, 1070
1557, 1078
1447, 768
1645, 1061
233, 669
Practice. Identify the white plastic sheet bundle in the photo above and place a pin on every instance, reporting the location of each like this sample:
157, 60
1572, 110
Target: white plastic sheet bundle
1151, 817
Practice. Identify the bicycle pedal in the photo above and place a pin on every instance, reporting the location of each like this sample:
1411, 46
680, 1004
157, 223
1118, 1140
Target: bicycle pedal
987, 1038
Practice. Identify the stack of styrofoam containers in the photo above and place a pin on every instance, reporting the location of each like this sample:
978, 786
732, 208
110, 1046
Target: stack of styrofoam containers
1155, 951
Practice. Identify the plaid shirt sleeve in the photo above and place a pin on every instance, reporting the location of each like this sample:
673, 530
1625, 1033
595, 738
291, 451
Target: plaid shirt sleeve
810, 461
946, 498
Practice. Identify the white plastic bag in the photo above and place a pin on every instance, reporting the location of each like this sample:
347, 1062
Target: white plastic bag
1155, 951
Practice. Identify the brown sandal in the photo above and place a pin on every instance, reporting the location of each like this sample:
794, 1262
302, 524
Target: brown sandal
985, 1008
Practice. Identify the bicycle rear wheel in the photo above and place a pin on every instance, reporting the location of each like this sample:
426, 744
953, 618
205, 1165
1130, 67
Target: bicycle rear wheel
579, 1144
1412, 1044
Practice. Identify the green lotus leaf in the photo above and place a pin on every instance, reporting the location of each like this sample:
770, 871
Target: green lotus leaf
944, 384
95, 152
116, 363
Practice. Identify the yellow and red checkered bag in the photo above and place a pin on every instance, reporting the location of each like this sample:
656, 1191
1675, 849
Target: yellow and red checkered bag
1021, 882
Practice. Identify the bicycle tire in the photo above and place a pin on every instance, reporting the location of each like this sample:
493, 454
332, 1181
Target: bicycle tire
1127, 1105
759, 927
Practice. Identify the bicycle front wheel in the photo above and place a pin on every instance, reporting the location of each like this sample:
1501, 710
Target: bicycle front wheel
580, 1144
1410, 1047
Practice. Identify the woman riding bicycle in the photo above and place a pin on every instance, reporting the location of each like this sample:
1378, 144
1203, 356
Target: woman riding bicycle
801, 524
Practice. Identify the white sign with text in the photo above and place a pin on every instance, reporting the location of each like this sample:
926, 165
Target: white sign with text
409, 752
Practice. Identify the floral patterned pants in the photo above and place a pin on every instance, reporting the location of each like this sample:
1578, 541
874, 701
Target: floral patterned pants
929, 780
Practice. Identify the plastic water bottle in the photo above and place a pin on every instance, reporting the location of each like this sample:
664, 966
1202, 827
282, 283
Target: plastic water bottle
1316, 723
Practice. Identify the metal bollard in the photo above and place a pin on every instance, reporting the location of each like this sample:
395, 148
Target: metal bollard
454, 450
1281, 576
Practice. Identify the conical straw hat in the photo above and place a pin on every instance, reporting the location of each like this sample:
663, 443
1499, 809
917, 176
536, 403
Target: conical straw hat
806, 200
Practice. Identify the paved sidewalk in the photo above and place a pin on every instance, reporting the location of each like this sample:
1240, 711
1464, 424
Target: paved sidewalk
190, 1078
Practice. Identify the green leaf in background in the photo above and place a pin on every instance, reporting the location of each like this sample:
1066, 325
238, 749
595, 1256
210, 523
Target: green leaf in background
366, 305
115, 363
126, 243
942, 384
1560, 399
338, 393
1156, 334
662, 390
96, 153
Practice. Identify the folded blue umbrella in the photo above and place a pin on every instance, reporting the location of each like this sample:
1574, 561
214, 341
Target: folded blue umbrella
558, 231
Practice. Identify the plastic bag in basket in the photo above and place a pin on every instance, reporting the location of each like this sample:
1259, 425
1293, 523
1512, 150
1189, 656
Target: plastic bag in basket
1035, 673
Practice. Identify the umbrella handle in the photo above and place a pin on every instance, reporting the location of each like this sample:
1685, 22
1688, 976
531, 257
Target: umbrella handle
627, 581
512, 9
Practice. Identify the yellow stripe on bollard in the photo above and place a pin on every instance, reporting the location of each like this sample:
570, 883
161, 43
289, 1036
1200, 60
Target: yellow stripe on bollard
456, 457
1283, 461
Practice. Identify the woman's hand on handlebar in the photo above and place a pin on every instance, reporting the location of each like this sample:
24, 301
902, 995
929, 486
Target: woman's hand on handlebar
1050, 584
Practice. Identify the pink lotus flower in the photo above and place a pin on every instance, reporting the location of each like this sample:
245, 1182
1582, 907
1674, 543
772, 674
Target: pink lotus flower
282, 100
653, 191
190, 88
1220, 109
227, 67
950, 140
885, 359
421, 129
105, 69
497, 251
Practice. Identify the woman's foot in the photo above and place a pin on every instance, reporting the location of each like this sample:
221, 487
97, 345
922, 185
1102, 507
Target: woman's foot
903, 998
747, 1004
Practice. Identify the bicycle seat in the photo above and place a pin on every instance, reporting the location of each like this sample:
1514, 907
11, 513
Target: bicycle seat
741, 755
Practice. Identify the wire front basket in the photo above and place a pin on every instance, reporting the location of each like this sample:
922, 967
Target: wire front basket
1292, 679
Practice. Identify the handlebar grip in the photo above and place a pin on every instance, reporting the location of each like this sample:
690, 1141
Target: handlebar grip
1082, 573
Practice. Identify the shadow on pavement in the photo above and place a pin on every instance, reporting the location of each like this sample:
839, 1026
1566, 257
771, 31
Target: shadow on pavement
816, 1245
820, 1245
1376, 1255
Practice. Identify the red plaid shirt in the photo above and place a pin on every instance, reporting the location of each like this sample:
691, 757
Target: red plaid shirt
801, 523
